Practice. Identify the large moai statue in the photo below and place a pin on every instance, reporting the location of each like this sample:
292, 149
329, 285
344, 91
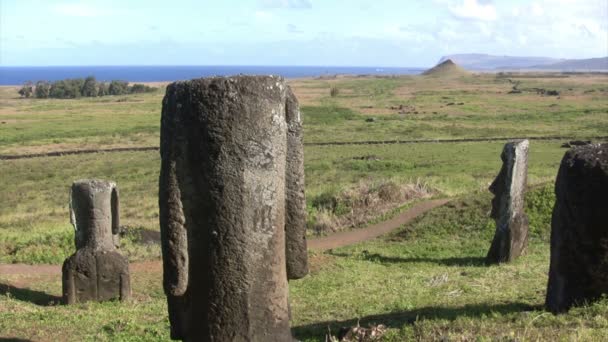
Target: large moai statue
579, 229
511, 237
232, 207
96, 271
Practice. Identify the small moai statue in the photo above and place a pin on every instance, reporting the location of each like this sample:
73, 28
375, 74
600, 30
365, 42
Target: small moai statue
579, 229
511, 237
97, 271
232, 207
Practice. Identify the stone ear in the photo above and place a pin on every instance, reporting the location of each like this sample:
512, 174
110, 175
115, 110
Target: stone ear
73, 220
115, 204
72, 213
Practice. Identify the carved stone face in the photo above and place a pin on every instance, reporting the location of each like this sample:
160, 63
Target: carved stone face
498, 187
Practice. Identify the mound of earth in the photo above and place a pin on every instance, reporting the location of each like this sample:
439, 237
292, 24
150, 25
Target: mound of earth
446, 68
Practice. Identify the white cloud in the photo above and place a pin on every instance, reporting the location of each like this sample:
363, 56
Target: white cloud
523, 39
536, 9
474, 9
80, 10
292, 4
263, 15
561, 26
291, 28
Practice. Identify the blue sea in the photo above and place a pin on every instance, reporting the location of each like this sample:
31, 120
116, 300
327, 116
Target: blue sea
19, 75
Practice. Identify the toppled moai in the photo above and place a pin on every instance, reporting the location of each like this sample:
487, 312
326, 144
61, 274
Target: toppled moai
232, 207
97, 271
579, 229
511, 237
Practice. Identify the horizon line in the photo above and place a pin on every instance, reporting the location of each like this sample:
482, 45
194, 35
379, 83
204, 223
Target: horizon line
212, 65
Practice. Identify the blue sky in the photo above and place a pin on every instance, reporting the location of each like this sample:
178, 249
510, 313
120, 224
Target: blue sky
295, 32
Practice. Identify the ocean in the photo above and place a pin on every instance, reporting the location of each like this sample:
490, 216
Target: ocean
21, 74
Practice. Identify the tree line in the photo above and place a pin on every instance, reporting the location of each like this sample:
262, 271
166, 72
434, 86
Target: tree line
80, 87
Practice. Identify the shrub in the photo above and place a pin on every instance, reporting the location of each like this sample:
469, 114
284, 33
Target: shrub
26, 91
353, 207
333, 91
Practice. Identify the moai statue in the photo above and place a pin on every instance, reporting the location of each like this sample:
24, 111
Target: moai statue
511, 237
96, 271
232, 207
579, 229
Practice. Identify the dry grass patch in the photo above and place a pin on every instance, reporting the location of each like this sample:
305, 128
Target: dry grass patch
361, 204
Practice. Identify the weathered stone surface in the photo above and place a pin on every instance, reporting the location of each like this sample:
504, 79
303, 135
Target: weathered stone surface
511, 237
232, 208
96, 271
295, 225
579, 229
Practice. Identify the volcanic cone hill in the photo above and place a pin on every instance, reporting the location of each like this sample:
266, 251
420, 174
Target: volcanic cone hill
446, 68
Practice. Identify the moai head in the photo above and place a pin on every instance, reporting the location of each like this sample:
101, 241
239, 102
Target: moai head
94, 214
511, 237
509, 185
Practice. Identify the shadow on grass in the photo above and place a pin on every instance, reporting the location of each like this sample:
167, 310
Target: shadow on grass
28, 295
13, 339
398, 319
451, 261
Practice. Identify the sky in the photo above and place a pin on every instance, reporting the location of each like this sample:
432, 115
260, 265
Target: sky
400, 33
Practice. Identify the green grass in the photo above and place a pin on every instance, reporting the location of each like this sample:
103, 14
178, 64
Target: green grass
487, 110
426, 282
34, 221
127, 120
448, 168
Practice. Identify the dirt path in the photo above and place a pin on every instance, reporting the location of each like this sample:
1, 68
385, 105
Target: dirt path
359, 235
323, 243
42, 270
328, 143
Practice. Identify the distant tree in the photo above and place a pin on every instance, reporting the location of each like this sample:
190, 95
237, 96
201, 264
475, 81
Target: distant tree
27, 90
66, 89
57, 90
102, 89
89, 88
138, 88
42, 89
75, 86
118, 88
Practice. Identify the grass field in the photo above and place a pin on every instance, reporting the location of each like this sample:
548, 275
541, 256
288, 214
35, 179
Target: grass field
425, 282
463, 107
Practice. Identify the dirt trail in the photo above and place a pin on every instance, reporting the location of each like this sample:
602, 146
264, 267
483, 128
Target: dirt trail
359, 235
328, 143
320, 244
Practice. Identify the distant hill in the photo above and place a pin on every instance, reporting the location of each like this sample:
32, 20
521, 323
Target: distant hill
483, 62
446, 68
577, 64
